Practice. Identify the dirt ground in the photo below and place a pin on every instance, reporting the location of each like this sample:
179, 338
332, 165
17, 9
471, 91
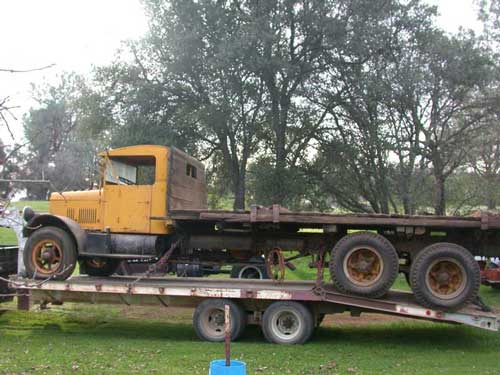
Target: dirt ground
176, 314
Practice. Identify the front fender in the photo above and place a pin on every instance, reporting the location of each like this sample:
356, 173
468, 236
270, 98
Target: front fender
72, 227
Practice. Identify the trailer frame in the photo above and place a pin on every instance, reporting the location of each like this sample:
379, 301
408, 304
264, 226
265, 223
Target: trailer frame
253, 295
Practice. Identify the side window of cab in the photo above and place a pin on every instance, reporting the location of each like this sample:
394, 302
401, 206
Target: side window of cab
130, 170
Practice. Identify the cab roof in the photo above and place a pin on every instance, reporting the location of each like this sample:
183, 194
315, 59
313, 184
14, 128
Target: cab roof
135, 150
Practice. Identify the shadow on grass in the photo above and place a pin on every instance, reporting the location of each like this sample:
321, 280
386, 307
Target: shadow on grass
414, 334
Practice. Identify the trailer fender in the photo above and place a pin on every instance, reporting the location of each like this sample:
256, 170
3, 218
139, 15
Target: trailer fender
64, 223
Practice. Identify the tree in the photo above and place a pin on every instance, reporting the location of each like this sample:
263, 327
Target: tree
62, 144
360, 89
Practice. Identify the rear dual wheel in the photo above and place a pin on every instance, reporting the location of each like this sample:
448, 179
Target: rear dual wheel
364, 264
445, 276
287, 322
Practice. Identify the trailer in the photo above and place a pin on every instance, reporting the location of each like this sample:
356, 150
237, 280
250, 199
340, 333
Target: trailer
8, 266
287, 311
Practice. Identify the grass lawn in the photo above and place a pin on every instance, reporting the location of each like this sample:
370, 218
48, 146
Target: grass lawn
99, 340
88, 339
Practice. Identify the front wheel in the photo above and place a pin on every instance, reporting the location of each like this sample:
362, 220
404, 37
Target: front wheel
50, 252
445, 276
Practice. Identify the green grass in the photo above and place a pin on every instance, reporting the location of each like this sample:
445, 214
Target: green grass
38, 206
96, 340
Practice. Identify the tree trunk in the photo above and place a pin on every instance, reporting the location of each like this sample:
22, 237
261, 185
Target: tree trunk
239, 191
440, 199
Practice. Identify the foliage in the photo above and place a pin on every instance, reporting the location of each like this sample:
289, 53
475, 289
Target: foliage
361, 105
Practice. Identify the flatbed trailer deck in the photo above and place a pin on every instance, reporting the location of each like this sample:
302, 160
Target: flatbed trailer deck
253, 297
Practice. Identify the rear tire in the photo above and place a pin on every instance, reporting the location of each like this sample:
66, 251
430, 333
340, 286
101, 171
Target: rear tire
208, 320
364, 264
249, 271
98, 266
445, 276
287, 322
50, 252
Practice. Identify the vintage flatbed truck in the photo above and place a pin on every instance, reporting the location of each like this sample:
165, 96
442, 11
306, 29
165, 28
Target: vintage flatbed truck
151, 205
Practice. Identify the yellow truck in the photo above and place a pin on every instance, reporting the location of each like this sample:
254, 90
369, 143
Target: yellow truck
151, 206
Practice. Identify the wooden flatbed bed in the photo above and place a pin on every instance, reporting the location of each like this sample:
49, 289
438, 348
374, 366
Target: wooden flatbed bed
278, 214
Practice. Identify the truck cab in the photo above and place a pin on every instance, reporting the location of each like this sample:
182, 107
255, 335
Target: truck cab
137, 188
125, 216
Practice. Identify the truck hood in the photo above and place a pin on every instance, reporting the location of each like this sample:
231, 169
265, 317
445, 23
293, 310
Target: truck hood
82, 195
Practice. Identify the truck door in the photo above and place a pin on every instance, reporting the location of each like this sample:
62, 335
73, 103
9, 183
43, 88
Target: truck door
128, 186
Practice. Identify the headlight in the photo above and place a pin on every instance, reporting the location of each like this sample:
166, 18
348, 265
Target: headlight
28, 213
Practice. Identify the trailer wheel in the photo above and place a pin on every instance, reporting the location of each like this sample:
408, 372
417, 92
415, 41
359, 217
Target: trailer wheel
287, 322
208, 320
50, 252
98, 266
364, 264
445, 276
249, 271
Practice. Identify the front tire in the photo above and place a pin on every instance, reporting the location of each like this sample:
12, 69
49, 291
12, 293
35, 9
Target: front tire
364, 264
445, 276
50, 252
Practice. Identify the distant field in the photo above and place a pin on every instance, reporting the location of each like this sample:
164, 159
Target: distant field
7, 236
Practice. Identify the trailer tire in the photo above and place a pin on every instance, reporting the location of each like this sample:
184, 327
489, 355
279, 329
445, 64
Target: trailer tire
445, 265
287, 322
208, 320
353, 254
50, 252
98, 266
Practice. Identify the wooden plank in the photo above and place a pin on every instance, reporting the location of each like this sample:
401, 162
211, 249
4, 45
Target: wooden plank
312, 218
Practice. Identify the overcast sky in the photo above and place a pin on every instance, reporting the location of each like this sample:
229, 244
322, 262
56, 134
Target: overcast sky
76, 34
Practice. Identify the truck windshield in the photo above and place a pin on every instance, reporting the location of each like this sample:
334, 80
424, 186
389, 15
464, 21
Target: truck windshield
130, 170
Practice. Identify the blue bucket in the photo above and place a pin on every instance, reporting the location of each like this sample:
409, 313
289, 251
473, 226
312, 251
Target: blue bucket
218, 367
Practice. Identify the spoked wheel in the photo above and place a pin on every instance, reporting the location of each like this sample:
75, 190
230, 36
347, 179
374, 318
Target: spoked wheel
46, 257
209, 320
50, 253
364, 264
99, 266
445, 276
275, 264
286, 322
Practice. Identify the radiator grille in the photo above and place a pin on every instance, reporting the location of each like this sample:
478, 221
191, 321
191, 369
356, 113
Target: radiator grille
87, 215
